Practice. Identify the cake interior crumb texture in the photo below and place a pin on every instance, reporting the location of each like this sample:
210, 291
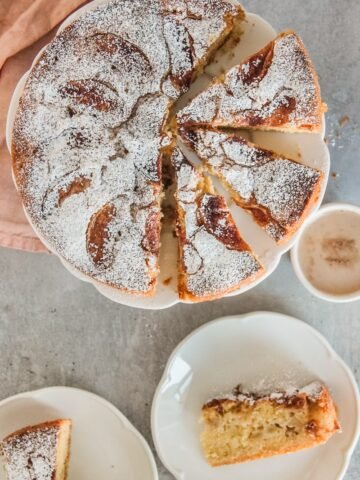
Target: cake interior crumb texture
244, 427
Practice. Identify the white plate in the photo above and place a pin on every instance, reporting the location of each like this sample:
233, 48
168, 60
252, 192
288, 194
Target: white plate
257, 349
310, 149
104, 443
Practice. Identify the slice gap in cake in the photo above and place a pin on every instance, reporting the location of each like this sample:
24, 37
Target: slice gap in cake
242, 426
275, 89
227, 50
214, 260
39, 452
279, 192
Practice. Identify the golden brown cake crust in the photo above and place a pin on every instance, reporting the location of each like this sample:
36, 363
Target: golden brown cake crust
277, 191
311, 411
214, 260
275, 89
89, 135
40, 426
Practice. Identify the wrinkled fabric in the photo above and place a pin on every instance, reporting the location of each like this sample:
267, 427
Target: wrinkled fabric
25, 27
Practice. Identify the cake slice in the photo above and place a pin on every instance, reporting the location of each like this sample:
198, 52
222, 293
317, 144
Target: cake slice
213, 258
193, 32
279, 192
39, 452
275, 89
244, 426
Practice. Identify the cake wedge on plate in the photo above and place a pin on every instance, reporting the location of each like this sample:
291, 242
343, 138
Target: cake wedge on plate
39, 452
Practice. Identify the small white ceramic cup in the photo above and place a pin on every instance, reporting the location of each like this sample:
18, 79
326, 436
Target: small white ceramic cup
295, 258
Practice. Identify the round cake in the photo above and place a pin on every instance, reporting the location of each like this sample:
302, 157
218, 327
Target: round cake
90, 130
96, 122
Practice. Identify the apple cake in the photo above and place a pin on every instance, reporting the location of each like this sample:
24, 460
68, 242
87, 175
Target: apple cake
277, 191
213, 257
95, 123
242, 426
39, 452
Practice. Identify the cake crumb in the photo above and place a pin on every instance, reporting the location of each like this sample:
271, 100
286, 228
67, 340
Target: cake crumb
167, 281
344, 120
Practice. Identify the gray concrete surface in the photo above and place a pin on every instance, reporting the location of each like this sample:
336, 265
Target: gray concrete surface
56, 330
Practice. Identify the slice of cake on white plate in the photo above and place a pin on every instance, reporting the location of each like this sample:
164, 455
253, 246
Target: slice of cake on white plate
214, 260
38, 452
246, 426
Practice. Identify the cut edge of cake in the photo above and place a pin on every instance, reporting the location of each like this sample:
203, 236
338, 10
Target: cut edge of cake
232, 25
244, 426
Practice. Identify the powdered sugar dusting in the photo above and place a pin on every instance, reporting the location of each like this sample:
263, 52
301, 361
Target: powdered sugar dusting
88, 136
312, 391
275, 87
31, 454
210, 265
259, 178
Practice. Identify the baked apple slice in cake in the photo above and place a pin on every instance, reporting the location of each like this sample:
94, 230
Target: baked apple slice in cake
213, 258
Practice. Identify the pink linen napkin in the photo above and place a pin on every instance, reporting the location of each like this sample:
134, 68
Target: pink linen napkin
25, 27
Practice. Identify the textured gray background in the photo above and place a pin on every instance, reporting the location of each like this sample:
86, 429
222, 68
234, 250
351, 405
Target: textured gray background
56, 330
